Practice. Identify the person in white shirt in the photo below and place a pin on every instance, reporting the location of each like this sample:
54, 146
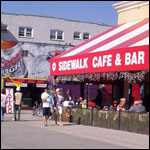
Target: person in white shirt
17, 104
46, 99
3, 104
59, 104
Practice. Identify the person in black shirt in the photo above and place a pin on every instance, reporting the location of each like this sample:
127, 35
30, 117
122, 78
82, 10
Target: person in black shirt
99, 98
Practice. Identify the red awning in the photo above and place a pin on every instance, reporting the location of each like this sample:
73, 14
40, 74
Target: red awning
122, 48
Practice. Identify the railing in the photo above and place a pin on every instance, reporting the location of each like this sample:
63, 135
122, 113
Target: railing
127, 121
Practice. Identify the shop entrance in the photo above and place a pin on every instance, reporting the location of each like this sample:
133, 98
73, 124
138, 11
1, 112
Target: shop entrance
30, 95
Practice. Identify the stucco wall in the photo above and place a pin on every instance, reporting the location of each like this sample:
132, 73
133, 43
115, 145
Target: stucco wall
42, 25
133, 14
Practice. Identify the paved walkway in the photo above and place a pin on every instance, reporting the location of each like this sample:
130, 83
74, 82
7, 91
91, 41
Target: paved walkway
30, 133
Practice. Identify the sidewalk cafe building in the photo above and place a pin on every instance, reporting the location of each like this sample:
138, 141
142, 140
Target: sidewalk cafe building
119, 56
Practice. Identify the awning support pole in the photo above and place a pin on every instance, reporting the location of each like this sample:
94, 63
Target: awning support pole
130, 94
87, 94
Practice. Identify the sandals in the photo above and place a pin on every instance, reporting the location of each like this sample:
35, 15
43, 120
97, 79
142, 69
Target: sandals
45, 124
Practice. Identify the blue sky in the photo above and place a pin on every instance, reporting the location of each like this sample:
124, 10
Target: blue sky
88, 11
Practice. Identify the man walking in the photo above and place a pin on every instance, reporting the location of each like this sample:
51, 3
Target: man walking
59, 104
17, 105
46, 99
3, 104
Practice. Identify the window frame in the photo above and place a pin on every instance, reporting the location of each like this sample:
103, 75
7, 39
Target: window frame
84, 36
25, 32
25, 53
79, 35
56, 32
4, 28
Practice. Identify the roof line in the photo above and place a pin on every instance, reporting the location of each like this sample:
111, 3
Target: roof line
101, 24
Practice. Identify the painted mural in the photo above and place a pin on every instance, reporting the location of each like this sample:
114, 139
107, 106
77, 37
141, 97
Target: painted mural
35, 65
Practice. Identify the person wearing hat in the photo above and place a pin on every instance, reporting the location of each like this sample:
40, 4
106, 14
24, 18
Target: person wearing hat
59, 105
122, 105
17, 103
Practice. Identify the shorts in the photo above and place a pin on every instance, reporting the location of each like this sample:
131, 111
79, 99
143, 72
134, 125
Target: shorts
47, 111
59, 110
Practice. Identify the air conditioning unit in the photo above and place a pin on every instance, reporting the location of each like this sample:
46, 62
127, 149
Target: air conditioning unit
70, 44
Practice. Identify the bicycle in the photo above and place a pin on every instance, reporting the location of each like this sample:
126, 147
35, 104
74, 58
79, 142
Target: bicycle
37, 109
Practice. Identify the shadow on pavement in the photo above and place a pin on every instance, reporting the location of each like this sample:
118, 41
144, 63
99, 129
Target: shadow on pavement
19, 121
69, 124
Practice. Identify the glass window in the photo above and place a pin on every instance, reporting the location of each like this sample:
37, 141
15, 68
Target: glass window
4, 28
21, 31
53, 35
25, 53
29, 32
86, 36
60, 35
77, 35
56, 35
25, 32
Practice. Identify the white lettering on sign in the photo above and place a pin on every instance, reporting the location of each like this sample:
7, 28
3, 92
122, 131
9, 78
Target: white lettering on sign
141, 56
73, 64
41, 85
134, 58
118, 60
10, 100
102, 61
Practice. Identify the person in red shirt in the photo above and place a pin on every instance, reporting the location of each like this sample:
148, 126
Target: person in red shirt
91, 104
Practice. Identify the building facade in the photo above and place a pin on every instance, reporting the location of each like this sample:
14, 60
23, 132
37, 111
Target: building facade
40, 37
29, 41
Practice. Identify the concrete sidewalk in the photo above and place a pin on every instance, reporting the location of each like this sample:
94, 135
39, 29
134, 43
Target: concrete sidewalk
30, 133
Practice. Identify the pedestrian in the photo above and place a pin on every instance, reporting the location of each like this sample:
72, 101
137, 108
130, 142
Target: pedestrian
52, 102
99, 98
17, 104
69, 95
46, 99
3, 104
59, 104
